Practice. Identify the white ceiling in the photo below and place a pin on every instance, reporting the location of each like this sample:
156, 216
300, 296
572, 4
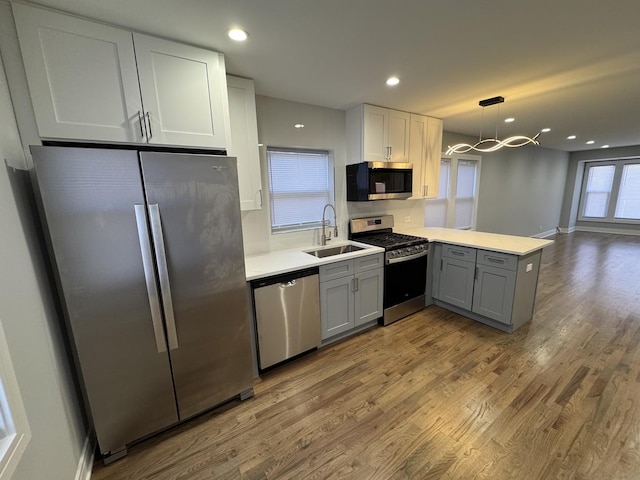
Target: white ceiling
571, 65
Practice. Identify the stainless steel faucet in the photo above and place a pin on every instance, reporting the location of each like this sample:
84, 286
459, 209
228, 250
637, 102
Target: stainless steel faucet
324, 237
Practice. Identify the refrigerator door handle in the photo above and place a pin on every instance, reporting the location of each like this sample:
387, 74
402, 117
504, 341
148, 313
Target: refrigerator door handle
163, 273
152, 289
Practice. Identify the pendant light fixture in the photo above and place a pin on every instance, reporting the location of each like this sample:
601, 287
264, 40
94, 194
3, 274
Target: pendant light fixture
493, 144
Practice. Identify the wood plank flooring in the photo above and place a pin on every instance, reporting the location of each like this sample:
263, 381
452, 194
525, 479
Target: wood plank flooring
438, 396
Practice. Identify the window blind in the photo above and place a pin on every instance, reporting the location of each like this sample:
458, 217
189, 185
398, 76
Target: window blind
465, 194
598, 191
300, 185
628, 205
436, 208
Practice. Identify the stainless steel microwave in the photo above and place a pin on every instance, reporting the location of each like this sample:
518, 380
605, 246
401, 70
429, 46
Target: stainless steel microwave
379, 181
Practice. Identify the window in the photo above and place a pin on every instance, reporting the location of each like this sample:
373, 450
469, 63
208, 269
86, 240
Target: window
598, 191
14, 429
611, 192
459, 174
628, 205
300, 185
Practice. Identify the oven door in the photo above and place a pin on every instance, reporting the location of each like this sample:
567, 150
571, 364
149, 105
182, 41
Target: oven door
404, 280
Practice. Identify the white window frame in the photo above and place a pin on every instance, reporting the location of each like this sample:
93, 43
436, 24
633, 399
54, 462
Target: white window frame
453, 179
13, 445
615, 190
330, 181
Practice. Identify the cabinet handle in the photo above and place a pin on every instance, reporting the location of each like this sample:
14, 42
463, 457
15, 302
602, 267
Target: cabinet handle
425, 190
495, 260
357, 284
475, 275
148, 115
457, 253
260, 192
143, 128
441, 264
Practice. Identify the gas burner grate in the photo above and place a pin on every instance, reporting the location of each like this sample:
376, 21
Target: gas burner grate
391, 240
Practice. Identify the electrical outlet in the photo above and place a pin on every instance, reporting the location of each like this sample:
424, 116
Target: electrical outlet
529, 267
407, 219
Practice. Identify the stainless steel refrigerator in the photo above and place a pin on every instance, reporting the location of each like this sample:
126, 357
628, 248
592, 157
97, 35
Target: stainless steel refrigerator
147, 251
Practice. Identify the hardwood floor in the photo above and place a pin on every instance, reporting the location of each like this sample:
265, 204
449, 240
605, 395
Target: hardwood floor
438, 396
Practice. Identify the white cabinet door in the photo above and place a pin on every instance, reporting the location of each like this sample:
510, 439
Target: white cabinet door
385, 135
184, 93
81, 75
375, 132
433, 157
425, 145
244, 140
398, 136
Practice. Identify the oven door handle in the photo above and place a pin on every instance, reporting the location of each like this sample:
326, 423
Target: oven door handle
407, 258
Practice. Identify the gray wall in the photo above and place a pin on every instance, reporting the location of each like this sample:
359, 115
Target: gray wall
325, 128
29, 319
570, 203
521, 189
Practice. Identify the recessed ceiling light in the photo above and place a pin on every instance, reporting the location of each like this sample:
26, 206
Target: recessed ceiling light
299, 125
590, 142
393, 81
237, 34
545, 130
571, 137
509, 120
604, 146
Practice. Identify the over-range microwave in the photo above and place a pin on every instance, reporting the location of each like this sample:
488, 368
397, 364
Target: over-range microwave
379, 181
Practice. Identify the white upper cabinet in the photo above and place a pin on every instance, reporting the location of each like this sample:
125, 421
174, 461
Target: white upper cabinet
184, 93
244, 140
377, 134
88, 82
425, 151
82, 76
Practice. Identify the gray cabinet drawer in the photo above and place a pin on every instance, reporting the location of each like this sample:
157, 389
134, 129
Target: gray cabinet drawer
334, 270
497, 259
461, 253
362, 264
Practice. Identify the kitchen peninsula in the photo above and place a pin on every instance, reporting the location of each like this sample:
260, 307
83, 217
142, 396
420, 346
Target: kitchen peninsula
491, 278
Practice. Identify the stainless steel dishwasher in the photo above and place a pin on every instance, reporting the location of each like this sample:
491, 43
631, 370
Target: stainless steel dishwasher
287, 311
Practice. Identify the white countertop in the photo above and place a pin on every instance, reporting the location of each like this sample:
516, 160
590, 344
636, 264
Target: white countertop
284, 261
490, 241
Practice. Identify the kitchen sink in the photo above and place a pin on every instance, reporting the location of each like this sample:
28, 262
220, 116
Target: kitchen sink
329, 252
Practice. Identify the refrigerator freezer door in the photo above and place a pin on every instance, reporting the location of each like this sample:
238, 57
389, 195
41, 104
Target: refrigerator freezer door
89, 197
199, 210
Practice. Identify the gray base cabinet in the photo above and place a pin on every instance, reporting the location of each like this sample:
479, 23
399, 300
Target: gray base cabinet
351, 294
494, 290
492, 287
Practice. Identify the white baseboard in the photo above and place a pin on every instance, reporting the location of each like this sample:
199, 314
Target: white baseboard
618, 231
85, 466
546, 234
566, 230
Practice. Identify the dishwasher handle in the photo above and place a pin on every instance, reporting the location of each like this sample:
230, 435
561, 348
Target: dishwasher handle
285, 280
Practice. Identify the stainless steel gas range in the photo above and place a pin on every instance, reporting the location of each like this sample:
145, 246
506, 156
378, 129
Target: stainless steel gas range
405, 271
